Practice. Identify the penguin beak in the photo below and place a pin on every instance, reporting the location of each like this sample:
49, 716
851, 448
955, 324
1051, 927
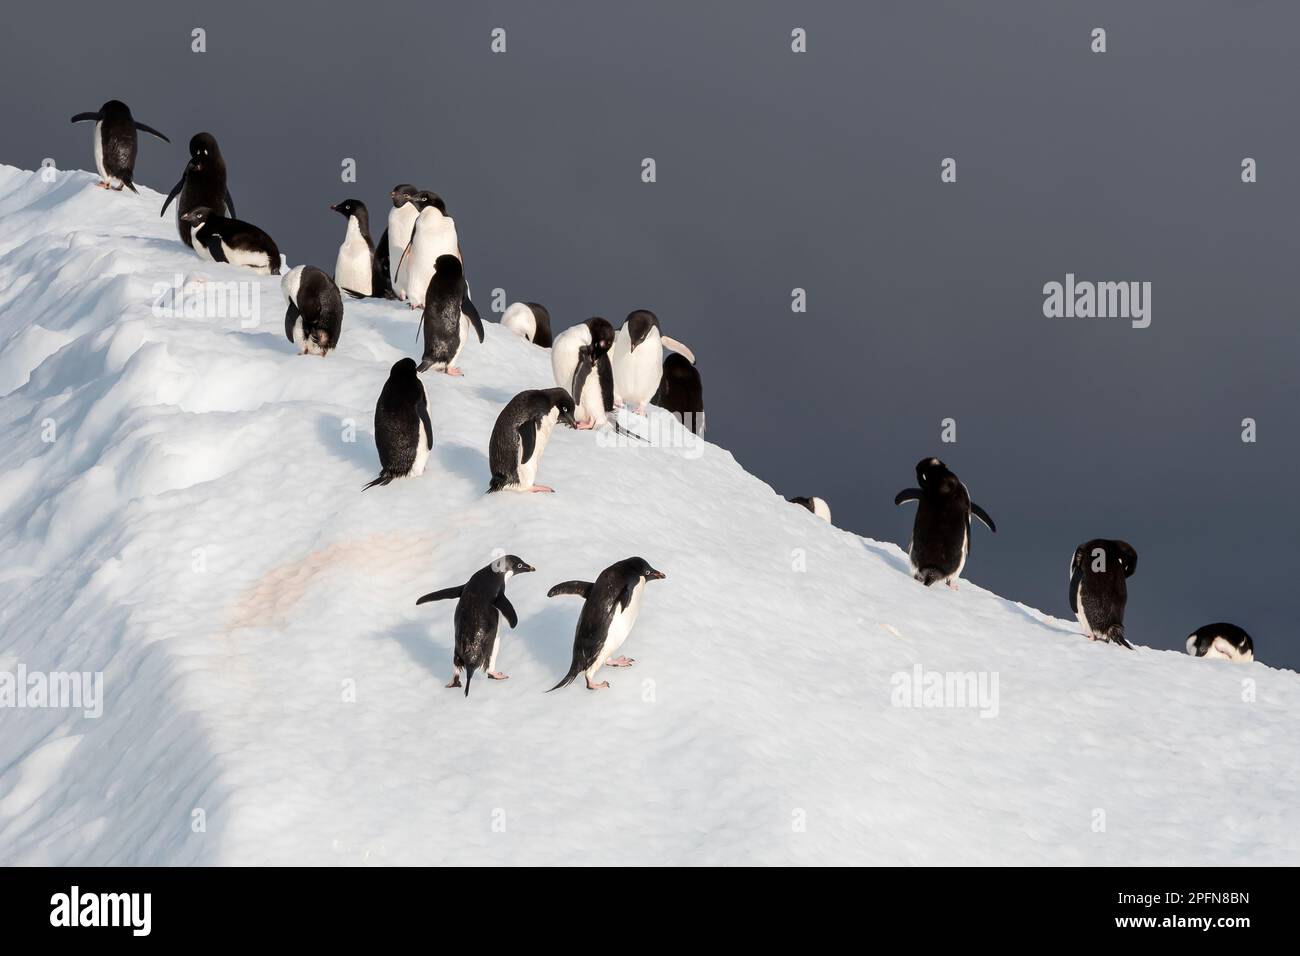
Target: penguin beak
526, 568
653, 575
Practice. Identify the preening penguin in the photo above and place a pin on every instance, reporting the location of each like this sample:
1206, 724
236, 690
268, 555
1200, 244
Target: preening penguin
1098, 591
520, 435
816, 505
530, 321
941, 533
203, 183
357, 270
434, 236
481, 602
1222, 641
232, 240
403, 430
681, 392
448, 315
115, 143
638, 357
610, 609
567, 347
314, 317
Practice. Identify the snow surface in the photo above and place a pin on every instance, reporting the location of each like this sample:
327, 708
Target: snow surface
197, 532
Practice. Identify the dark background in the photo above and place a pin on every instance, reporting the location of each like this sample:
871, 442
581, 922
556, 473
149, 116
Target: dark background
818, 170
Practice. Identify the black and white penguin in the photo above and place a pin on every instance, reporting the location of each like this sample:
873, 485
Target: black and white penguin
433, 236
638, 357
116, 143
941, 533
357, 270
1222, 641
817, 506
610, 609
480, 603
595, 333
520, 435
530, 321
203, 183
403, 431
232, 240
1098, 591
314, 317
407, 203
448, 315
681, 392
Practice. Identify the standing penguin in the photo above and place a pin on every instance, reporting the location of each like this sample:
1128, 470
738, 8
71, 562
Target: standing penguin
530, 321
1098, 591
314, 317
817, 506
357, 269
115, 143
611, 608
595, 333
203, 183
941, 533
520, 435
1223, 641
434, 236
401, 220
448, 315
682, 393
481, 601
638, 357
232, 240
403, 431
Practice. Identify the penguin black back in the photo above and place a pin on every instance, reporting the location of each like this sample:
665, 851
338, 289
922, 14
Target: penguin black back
1222, 640
542, 319
521, 430
446, 299
681, 392
941, 532
116, 143
400, 414
1098, 589
202, 183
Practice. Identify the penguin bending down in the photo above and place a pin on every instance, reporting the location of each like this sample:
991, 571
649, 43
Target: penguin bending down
115, 143
357, 270
941, 533
448, 315
1223, 641
403, 431
595, 333
1098, 591
401, 220
530, 321
232, 240
434, 236
817, 506
203, 183
580, 361
481, 602
610, 609
314, 317
682, 393
638, 357
520, 435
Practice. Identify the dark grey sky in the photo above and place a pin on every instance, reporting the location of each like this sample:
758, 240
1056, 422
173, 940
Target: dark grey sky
820, 170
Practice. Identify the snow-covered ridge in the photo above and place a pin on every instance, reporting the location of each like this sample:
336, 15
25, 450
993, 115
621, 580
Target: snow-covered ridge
181, 511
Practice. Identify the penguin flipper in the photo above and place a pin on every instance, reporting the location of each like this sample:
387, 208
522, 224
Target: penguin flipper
581, 588
428, 424
629, 589
528, 439
983, 515
471, 312
212, 242
86, 117
291, 315
907, 494
230, 203
172, 195
678, 347
442, 595
153, 132
1076, 578
502, 604
605, 375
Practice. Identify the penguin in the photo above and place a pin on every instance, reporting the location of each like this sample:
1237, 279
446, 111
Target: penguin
530, 321
233, 240
1098, 593
1223, 641
116, 143
481, 601
357, 270
448, 315
434, 236
610, 609
595, 332
682, 393
403, 431
407, 203
202, 183
941, 533
314, 317
817, 506
638, 357
520, 435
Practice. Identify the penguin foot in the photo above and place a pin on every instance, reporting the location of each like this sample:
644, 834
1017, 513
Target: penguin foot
497, 675
543, 488
603, 685
102, 185
618, 403
953, 585
455, 681
620, 661
584, 426
453, 371
640, 409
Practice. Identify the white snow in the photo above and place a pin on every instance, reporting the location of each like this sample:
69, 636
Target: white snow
196, 531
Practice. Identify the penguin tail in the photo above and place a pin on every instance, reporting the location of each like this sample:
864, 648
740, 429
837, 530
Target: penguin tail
424, 366
469, 676
623, 431
130, 185
498, 482
383, 479
566, 680
928, 576
355, 295
1116, 636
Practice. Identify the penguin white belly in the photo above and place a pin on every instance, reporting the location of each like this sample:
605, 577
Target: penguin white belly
421, 451
401, 222
1080, 613
1224, 651
353, 268
99, 152
965, 549
496, 647
433, 238
591, 404
637, 373
299, 337
528, 470
520, 320
255, 259
463, 336
620, 626
564, 354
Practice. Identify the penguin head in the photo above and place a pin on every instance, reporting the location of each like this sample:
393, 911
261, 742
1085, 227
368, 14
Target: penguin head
639, 323
562, 400
402, 194
204, 146
1126, 556
424, 199
404, 368
511, 564
447, 268
642, 569
197, 215
602, 336
348, 207
930, 472
114, 108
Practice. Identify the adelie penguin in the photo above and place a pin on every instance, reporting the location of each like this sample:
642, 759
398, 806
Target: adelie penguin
1222, 641
580, 361
116, 143
357, 270
448, 316
433, 237
681, 392
407, 203
403, 430
203, 183
314, 317
941, 533
610, 609
520, 435
638, 356
232, 240
529, 321
481, 603
1098, 592
817, 506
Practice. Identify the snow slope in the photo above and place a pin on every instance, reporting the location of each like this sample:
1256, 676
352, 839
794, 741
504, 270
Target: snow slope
196, 531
